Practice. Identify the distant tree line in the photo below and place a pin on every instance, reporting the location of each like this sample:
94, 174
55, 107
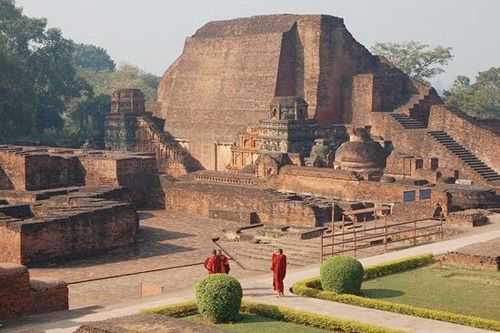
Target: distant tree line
480, 99
52, 89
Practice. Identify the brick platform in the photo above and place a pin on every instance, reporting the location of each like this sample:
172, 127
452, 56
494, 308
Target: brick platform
484, 256
68, 226
20, 296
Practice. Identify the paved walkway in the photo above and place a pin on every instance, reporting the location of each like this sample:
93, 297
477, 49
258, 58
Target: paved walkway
258, 289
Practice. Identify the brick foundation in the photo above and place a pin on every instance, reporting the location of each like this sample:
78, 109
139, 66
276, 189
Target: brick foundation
20, 296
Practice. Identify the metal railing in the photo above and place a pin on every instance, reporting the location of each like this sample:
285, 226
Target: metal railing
361, 237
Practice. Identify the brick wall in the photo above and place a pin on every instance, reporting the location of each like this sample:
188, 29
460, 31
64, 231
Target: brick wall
99, 171
466, 131
338, 184
15, 294
21, 296
10, 243
48, 171
471, 261
13, 166
270, 208
80, 232
48, 295
419, 143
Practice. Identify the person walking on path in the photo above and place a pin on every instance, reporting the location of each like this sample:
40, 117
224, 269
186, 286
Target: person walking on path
224, 262
213, 263
278, 266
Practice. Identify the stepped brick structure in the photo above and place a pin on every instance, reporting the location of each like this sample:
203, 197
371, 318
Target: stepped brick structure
129, 127
229, 72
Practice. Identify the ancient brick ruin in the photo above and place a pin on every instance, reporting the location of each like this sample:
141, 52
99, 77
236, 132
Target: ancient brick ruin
59, 204
279, 121
483, 256
210, 102
298, 103
20, 295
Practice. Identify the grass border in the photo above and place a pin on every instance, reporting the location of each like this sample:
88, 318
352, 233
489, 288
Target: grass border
312, 288
282, 314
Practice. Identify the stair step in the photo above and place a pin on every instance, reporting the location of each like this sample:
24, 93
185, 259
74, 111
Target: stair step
486, 172
483, 169
465, 155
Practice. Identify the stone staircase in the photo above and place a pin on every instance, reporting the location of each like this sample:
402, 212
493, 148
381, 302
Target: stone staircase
481, 168
165, 147
407, 122
298, 252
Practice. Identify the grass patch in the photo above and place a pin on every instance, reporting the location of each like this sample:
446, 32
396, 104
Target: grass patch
251, 323
403, 286
468, 292
277, 317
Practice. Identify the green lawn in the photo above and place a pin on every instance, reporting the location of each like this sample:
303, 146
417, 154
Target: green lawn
468, 292
258, 324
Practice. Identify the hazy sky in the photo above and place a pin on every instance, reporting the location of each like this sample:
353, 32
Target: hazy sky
151, 33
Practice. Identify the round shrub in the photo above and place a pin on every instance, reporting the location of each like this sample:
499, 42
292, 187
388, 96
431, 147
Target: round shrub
342, 275
219, 298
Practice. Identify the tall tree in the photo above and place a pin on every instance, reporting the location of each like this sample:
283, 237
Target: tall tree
479, 99
38, 75
420, 61
92, 57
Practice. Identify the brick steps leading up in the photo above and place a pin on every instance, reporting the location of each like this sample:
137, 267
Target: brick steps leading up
407, 122
481, 168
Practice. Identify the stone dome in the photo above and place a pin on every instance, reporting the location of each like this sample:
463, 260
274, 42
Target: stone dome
360, 156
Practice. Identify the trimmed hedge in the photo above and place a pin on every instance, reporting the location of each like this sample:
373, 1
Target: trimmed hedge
312, 319
219, 298
342, 275
312, 288
398, 266
178, 310
282, 314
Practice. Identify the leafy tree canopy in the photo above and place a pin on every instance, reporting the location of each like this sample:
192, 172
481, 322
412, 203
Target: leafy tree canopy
38, 75
53, 90
126, 76
92, 57
419, 60
479, 99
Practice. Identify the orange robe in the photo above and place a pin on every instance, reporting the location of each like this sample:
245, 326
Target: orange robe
213, 264
224, 264
279, 271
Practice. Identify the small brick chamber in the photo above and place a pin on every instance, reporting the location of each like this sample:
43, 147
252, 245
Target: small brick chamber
21, 296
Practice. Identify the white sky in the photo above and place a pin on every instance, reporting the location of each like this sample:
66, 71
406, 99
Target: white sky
151, 33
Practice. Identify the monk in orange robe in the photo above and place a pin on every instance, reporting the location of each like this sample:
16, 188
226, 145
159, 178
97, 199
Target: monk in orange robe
278, 267
224, 262
213, 263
